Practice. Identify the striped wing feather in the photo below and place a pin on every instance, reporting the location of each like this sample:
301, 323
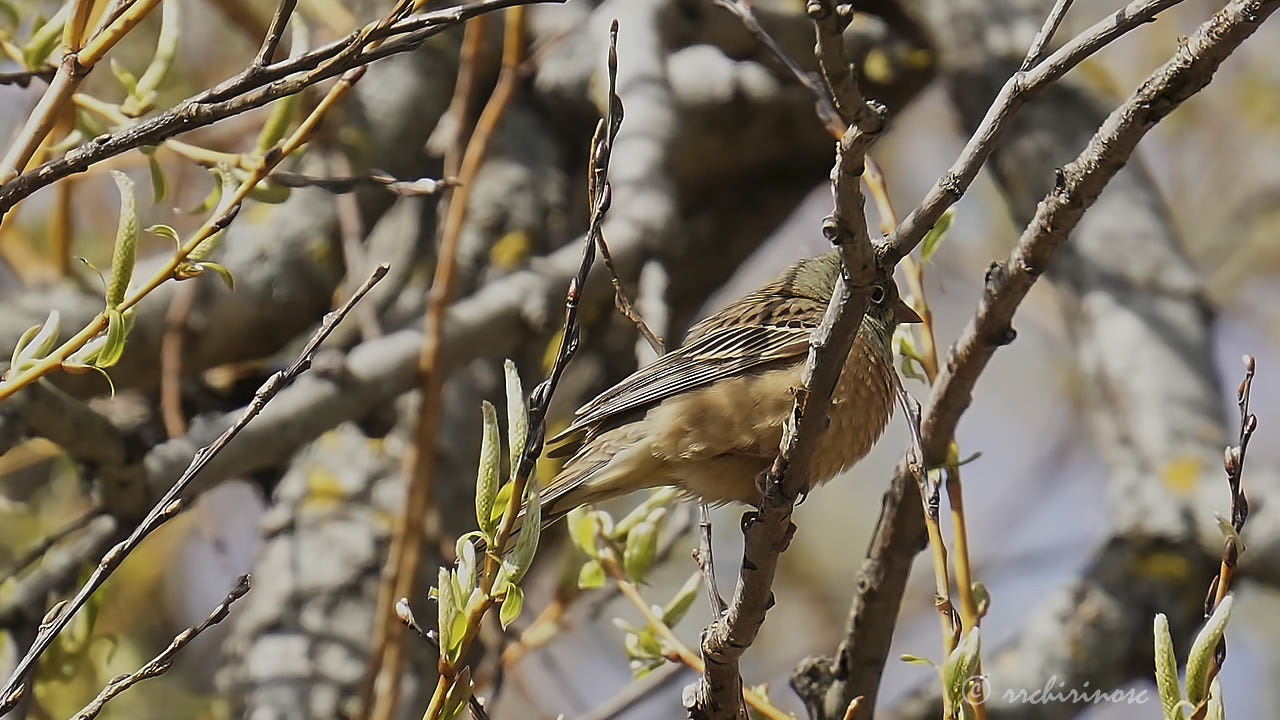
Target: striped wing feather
717, 354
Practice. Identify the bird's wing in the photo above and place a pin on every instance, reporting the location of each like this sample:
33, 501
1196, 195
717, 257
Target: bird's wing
717, 354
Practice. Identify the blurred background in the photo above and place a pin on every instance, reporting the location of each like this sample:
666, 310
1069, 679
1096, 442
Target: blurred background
1104, 421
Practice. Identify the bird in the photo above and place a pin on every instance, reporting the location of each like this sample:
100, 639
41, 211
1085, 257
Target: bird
707, 418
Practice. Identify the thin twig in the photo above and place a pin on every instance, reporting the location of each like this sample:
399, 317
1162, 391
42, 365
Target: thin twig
37, 551
1233, 463
822, 99
767, 532
622, 300
1017, 91
404, 614
175, 331
637, 692
706, 561
253, 88
171, 503
1041, 41
862, 654
161, 663
375, 178
275, 31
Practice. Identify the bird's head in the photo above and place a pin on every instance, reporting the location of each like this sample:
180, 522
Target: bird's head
816, 277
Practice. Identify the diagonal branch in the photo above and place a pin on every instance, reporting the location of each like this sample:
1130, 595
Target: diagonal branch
1017, 91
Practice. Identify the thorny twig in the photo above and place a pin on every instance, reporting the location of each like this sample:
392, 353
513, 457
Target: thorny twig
161, 663
171, 503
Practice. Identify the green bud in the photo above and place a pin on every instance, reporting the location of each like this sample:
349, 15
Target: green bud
1167, 671
487, 477
640, 550
933, 238
511, 606
517, 417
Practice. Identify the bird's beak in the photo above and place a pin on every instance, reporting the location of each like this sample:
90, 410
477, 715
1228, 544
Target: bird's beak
904, 314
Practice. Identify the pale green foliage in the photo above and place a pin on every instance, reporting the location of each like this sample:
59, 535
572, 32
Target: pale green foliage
487, 477
142, 95
961, 665
1201, 695
36, 343
1202, 651
937, 233
1167, 671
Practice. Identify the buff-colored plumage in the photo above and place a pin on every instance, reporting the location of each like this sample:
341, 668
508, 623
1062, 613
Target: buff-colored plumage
707, 418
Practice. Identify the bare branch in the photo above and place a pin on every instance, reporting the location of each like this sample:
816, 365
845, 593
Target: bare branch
861, 656
161, 663
1045, 35
1017, 91
251, 88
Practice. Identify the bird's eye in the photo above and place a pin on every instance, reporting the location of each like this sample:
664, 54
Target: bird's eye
877, 294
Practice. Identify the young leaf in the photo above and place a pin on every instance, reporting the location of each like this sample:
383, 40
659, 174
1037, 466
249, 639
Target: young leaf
1215, 710
1167, 671
142, 96
447, 610
517, 417
226, 193
113, 348
591, 575
37, 341
466, 553
487, 477
220, 270
511, 606
640, 551
165, 231
159, 188
126, 247
675, 610
582, 530
45, 39
1202, 650
933, 238
527, 542
458, 696
124, 77
916, 660
959, 667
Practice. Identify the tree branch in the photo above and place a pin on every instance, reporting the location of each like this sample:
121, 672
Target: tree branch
858, 665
